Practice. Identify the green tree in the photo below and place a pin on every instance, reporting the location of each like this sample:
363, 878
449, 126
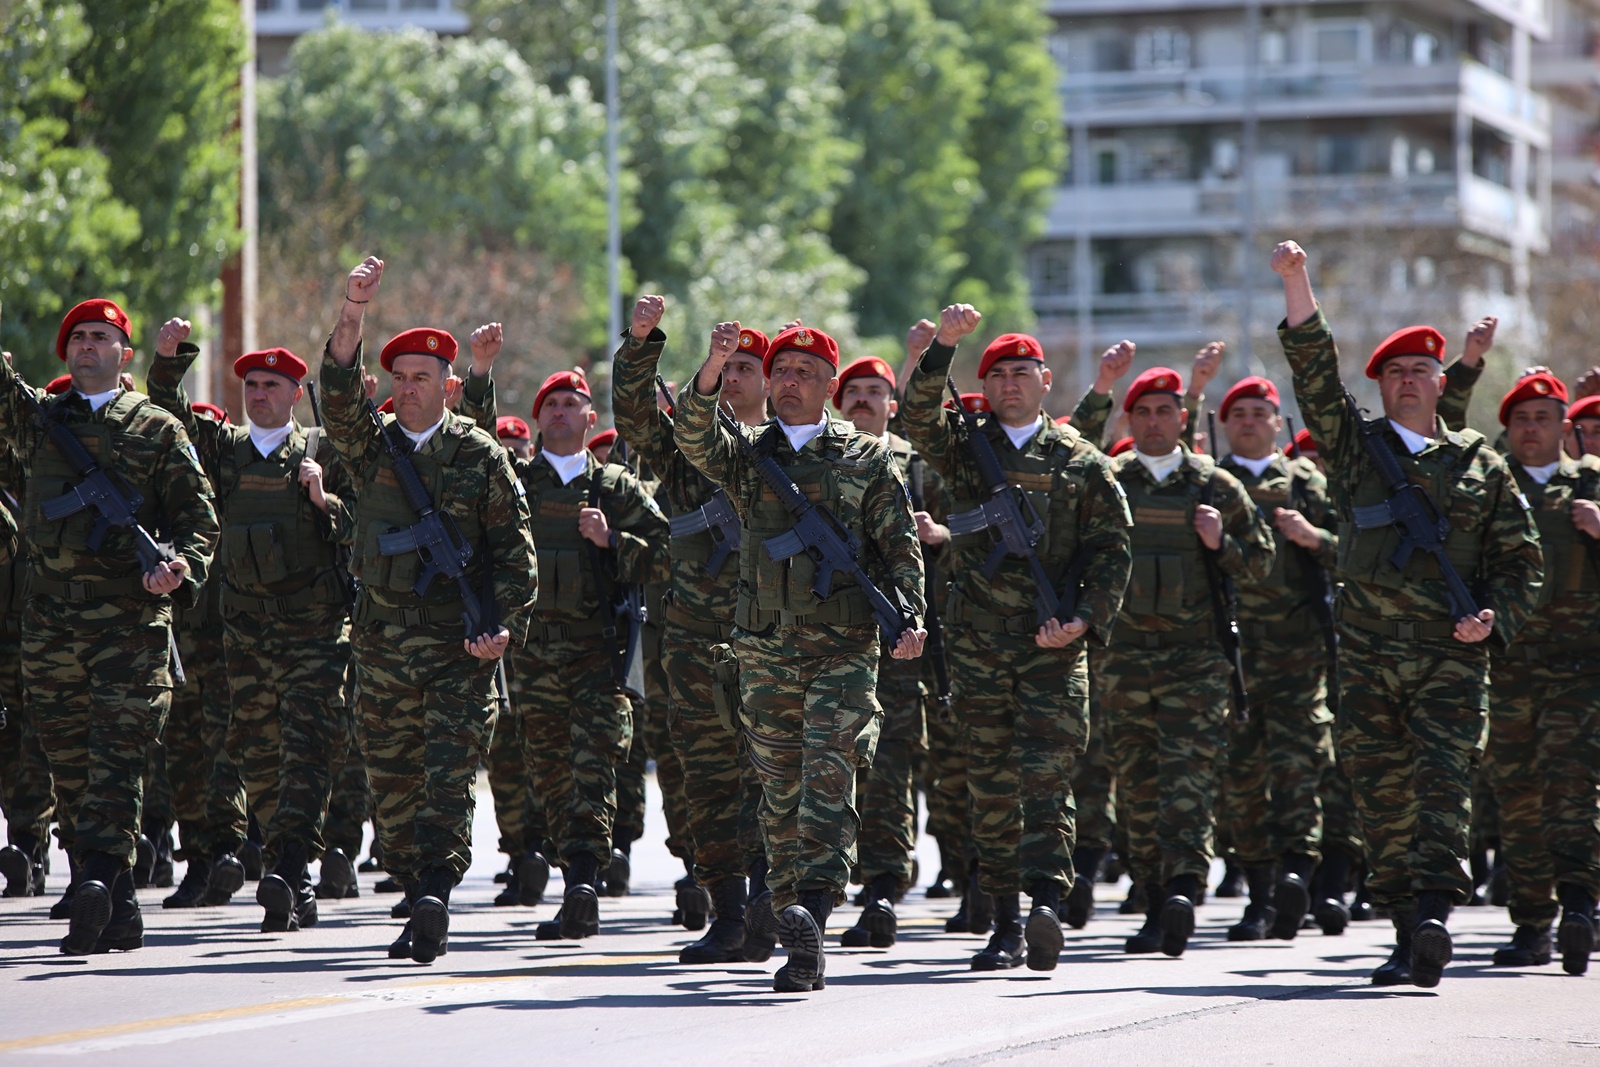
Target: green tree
120, 165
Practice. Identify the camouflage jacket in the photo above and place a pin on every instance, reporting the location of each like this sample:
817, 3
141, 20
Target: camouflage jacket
1092, 415
224, 450
652, 433
1283, 599
1569, 601
1493, 543
850, 473
1066, 479
143, 447
470, 479
1168, 590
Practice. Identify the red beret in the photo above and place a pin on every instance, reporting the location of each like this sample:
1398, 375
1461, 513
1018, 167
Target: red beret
96, 311
1009, 346
509, 426
1154, 380
422, 341
387, 407
865, 367
1064, 420
200, 407
276, 360
1587, 408
975, 403
1541, 386
1124, 444
561, 379
1303, 443
1254, 387
801, 339
1411, 341
601, 439
59, 385
754, 343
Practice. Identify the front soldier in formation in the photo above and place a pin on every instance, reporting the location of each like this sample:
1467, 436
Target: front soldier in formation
440, 600
1414, 639
1017, 613
832, 567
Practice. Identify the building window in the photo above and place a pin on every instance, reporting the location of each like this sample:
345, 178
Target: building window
1107, 166
1399, 158
1053, 271
1425, 272
1225, 157
1397, 275
1425, 161
1163, 161
1341, 43
1111, 52
1274, 48
1424, 50
1161, 48
1339, 154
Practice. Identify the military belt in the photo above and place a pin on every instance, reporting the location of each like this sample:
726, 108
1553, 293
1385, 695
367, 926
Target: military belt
1298, 624
1399, 630
324, 590
1554, 652
39, 585
1025, 624
551, 633
678, 617
1199, 633
367, 610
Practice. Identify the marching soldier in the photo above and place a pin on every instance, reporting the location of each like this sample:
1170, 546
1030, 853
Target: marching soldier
806, 634
1544, 695
1414, 640
284, 604
1165, 677
426, 679
718, 780
97, 637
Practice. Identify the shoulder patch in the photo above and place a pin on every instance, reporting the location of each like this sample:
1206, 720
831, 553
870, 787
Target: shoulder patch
518, 488
650, 502
192, 453
1523, 500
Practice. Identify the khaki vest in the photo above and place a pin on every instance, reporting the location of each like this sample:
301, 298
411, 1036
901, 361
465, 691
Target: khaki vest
1169, 573
1568, 563
566, 580
272, 535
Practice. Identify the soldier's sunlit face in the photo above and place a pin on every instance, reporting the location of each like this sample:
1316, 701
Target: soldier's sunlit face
96, 354
417, 383
1015, 389
565, 419
1156, 422
869, 403
801, 384
1533, 431
1252, 428
1410, 387
269, 398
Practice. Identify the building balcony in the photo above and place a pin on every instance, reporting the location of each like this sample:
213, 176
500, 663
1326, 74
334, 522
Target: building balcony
1218, 94
291, 18
1531, 15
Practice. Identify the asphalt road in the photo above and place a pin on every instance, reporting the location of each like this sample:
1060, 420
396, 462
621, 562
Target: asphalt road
209, 989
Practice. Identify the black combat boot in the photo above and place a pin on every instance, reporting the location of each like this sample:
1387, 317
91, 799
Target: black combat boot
1575, 936
250, 856
1330, 912
227, 878
876, 925
1397, 971
161, 871
1529, 947
800, 930
62, 909
725, 941
401, 948
144, 861
1086, 864
91, 903
943, 886
1361, 909
1430, 940
619, 875
125, 931
1137, 901
533, 875
338, 876
580, 906
1232, 884
1177, 913
388, 885
191, 892
1043, 932
1005, 948
693, 903
402, 907
1148, 938
511, 895
761, 925
285, 894
430, 914
1293, 897
980, 905
1259, 913
16, 863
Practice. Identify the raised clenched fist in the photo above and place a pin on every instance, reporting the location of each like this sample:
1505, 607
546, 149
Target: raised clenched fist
1288, 258
956, 321
647, 314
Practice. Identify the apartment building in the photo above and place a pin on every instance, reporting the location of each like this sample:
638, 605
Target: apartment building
1429, 151
279, 22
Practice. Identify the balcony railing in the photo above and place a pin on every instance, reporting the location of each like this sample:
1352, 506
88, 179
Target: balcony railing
278, 18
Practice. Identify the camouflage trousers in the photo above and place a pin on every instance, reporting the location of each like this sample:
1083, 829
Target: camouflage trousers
208, 794
1024, 714
99, 685
1411, 719
577, 729
1166, 710
652, 741
1341, 822
291, 683
886, 791
1544, 740
721, 791
27, 795
426, 708
944, 783
350, 804
517, 814
1094, 781
1276, 762
811, 720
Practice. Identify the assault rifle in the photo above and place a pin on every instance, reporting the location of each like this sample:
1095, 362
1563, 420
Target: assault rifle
623, 615
341, 551
1416, 518
819, 534
1225, 602
434, 537
935, 625
716, 516
1319, 583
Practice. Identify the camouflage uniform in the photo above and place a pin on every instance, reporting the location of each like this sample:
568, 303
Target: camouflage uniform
1413, 699
208, 794
426, 702
1544, 713
1024, 710
283, 606
1164, 680
95, 644
808, 669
